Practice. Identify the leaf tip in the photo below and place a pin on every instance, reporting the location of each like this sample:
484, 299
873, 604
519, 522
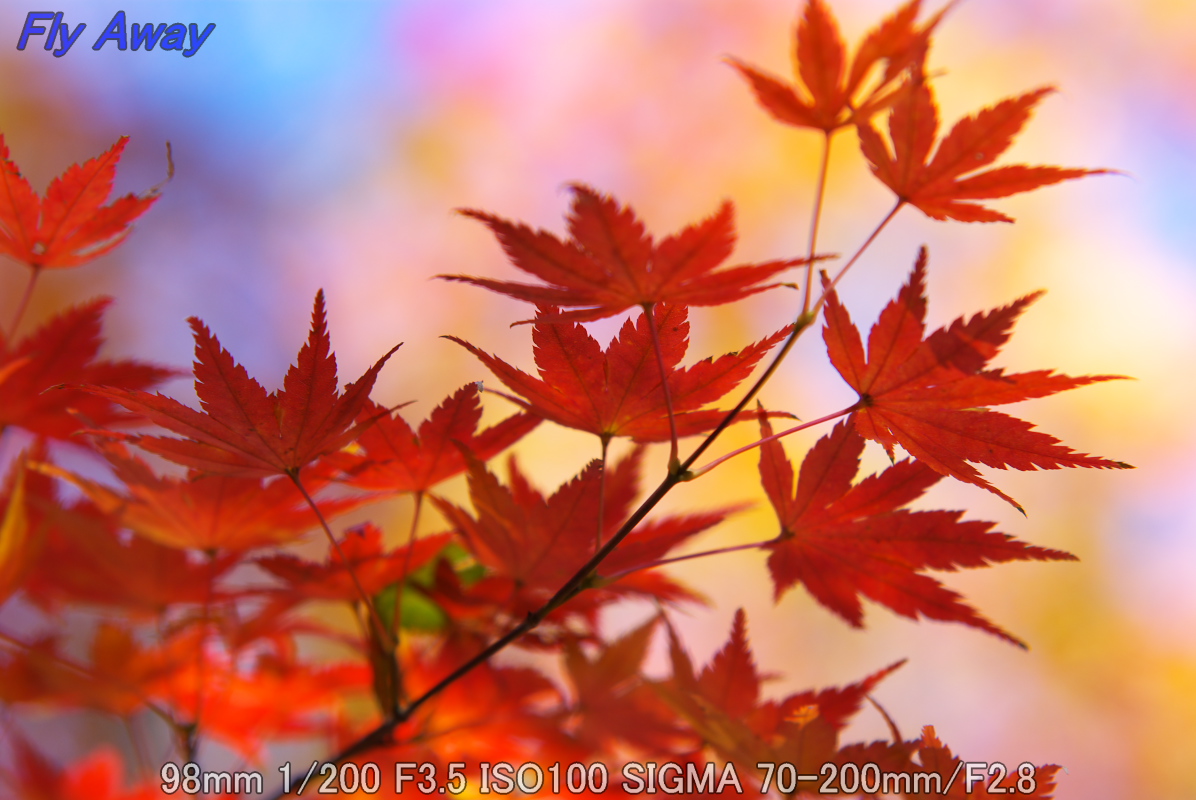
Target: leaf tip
737, 63
472, 213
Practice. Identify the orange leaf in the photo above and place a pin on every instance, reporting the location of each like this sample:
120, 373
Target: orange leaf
941, 186
86, 560
206, 512
731, 680
247, 703
828, 94
97, 776
118, 674
72, 225
488, 705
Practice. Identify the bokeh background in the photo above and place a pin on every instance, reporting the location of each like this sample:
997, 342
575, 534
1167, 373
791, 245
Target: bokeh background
326, 145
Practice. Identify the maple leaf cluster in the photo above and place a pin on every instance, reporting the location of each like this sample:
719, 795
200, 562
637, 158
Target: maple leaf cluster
170, 585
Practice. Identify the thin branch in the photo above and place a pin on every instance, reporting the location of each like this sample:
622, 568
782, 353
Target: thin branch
804, 321
571, 587
819, 194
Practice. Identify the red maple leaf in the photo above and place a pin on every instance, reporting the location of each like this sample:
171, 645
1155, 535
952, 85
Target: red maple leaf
393, 458
63, 351
927, 395
941, 186
242, 431
611, 263
827, 95
72, 225
532, 545
618, 392
375, 567
842, 541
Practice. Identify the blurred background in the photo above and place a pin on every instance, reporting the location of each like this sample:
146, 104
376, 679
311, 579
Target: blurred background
327, 144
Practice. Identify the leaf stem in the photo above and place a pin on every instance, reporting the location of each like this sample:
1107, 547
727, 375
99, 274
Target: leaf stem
703, 470
601, 496
674, 454
383, 634
412, 535
819, 194
718, 551
24, 304
397, 612
804, 320
871, 238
